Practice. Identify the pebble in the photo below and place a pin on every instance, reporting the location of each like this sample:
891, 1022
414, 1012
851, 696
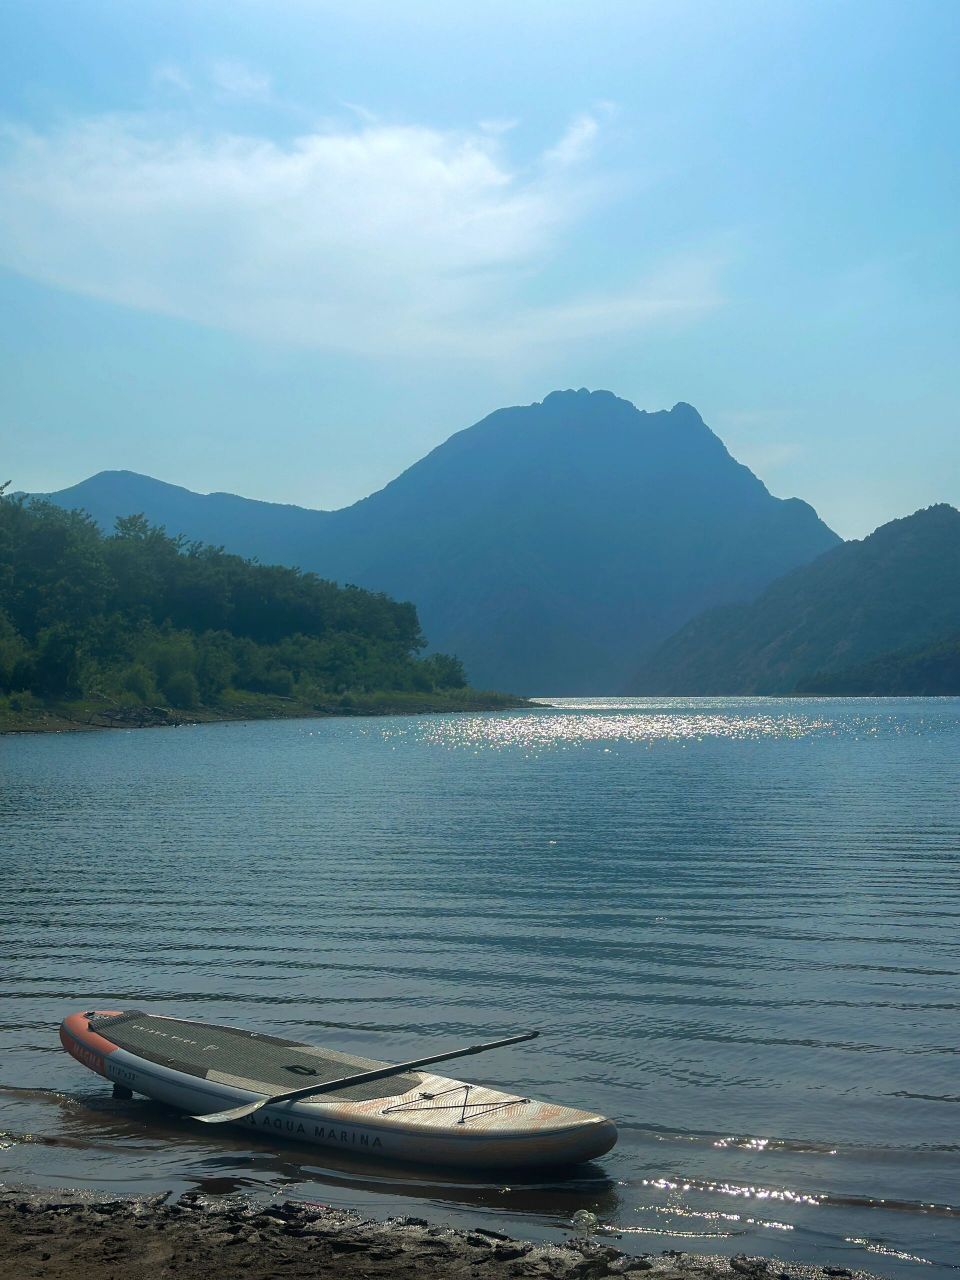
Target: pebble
297, 1238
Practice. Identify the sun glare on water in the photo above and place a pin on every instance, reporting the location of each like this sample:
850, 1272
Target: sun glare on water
612, 723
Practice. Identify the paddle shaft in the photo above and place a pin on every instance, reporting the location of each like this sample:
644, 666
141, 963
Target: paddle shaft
364, 1077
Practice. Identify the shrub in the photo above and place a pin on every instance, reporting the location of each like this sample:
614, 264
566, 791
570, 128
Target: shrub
181, 689
139, 681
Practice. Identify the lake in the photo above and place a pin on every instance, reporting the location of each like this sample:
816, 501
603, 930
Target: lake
734, 921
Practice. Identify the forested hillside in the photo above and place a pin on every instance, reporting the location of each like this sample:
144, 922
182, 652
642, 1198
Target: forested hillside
142, 619
894, 594
933, 671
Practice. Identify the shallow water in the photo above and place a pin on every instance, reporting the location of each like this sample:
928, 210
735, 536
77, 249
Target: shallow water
734, 921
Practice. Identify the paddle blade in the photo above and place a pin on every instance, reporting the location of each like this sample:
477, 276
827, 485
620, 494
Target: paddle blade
235, 1113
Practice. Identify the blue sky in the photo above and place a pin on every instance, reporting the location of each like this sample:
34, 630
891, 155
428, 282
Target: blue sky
284, 247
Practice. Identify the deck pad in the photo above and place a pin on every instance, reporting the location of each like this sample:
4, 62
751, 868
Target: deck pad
247, 1058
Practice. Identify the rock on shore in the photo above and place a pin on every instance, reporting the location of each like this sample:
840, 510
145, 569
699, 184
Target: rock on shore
55, 1235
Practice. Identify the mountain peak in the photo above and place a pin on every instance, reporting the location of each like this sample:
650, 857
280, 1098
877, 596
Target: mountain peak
550, 546
585, 405
604, 404
129, 483
928, 522
683, 410
582, 396
938, 513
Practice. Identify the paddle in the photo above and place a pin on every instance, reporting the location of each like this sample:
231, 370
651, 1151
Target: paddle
381, 1073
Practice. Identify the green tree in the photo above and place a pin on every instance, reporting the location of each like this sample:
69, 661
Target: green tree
181, 689
444, 671
139, 680
14, 655
140, 614
216, 667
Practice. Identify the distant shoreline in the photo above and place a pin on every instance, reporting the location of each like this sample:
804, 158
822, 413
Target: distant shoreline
88, 716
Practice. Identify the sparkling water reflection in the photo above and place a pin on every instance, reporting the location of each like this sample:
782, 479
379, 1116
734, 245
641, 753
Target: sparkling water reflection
735, 922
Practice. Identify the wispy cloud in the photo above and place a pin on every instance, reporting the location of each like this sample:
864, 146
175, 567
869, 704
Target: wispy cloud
575, 144
678, 292
765, 439
366, 237
223, 79
233, 79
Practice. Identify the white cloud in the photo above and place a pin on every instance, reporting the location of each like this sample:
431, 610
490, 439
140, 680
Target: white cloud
765, 439
497, 125
234, 79
575, 144
171, 77
677, 292
369, 238
226, 79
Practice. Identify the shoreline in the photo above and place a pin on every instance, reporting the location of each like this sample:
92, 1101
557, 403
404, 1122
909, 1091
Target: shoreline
54, 1233
89, 717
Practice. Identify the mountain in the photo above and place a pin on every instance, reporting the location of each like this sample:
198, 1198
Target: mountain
931, 672
548, 546
273, 532
890, 595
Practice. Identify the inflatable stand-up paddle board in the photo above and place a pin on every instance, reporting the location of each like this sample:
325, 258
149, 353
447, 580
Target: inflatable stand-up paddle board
331, 1099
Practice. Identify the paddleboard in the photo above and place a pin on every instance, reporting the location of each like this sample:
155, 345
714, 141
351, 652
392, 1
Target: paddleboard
201, 1068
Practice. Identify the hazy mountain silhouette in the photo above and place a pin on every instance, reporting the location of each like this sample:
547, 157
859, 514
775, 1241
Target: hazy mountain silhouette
271, 531
930, 672
893, 595
549, 546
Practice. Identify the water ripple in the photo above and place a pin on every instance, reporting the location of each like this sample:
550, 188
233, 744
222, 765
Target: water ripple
733, 920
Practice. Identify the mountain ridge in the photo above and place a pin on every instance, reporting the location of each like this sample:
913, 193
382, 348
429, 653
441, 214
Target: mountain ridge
892, 594
100, 494
932, 671
548, 545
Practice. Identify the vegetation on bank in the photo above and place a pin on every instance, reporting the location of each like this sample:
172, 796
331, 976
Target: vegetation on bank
24, 714
141, 627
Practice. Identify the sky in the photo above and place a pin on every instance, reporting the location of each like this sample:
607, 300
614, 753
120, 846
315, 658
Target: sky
283, 248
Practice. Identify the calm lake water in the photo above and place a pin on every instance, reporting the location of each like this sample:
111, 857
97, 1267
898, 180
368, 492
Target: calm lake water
735, 923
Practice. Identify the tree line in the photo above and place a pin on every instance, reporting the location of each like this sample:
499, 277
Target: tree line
930, 672
144, 618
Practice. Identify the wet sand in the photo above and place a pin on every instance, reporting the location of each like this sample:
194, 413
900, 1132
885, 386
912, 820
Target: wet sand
52, 1235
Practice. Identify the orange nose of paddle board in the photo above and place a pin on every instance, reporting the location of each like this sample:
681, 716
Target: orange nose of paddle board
82, 1043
